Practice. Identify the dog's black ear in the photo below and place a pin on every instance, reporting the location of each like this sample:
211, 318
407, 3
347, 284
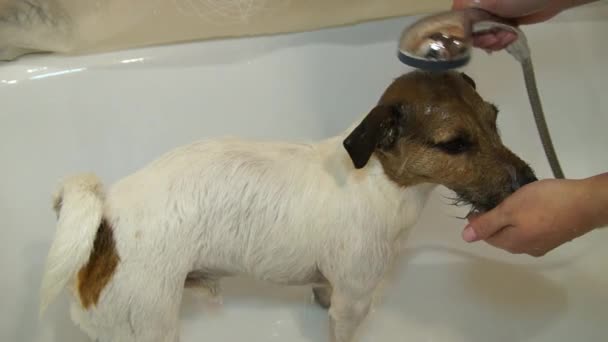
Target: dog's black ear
469, 80
380, 128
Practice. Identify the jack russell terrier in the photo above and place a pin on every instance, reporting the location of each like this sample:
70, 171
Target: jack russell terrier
330, 214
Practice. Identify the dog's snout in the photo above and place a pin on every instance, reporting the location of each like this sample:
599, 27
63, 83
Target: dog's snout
521, 177
527, 177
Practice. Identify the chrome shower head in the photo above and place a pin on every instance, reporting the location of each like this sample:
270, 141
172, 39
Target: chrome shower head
444, 41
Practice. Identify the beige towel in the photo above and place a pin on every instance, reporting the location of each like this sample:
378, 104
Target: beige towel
85, 26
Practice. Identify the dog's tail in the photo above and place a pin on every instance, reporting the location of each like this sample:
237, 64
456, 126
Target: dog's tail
79, 207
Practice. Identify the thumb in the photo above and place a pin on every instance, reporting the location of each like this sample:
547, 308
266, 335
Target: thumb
508, 9
483, 226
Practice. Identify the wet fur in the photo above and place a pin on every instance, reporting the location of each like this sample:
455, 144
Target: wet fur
430, 109
332, 213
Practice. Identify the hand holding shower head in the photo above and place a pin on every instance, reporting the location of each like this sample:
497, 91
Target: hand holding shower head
444, 41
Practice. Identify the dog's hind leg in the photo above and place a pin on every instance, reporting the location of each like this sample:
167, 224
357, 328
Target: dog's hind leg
155, 320
322, 295
138, 306
139, 321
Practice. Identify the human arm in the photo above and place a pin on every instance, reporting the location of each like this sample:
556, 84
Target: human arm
522, 11
543, 215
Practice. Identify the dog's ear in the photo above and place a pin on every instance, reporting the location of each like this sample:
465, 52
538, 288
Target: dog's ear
380, 128
469, 80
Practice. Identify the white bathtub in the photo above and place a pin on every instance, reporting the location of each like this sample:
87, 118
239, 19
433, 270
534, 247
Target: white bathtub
112, 113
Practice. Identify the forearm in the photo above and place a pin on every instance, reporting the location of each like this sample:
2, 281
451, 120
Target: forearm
596, 191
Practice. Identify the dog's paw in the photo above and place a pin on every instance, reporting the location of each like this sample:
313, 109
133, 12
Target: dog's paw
206, 288
216, 300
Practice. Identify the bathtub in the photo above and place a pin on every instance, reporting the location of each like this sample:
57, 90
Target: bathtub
113, 112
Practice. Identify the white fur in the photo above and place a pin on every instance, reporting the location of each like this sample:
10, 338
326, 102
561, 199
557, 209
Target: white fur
80, 202
279, 212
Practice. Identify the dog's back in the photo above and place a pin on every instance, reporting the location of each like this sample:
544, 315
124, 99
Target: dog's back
217, 205
271, 210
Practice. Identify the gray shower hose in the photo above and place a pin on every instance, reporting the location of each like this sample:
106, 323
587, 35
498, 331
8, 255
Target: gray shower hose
539, 117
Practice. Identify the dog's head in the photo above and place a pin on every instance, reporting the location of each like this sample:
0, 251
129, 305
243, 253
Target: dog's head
435, 128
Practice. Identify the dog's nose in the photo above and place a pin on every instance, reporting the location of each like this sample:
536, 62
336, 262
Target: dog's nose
527, 177
522, 177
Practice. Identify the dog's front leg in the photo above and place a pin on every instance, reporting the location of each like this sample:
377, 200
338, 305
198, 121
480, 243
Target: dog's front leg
346, 313
208, 286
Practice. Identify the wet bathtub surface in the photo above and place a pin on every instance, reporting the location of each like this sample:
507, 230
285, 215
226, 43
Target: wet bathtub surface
114, 112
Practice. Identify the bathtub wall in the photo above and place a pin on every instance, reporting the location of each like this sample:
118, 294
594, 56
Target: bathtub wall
87, 26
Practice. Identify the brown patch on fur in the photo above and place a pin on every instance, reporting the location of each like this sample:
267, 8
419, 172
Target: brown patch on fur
95, 275
436, 128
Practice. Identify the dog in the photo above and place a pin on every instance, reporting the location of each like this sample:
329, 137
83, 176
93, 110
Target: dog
330, 214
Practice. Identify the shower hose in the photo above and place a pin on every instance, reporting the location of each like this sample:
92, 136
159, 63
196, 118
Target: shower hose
539, 117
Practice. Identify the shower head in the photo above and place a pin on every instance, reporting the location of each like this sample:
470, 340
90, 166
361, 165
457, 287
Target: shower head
444, 41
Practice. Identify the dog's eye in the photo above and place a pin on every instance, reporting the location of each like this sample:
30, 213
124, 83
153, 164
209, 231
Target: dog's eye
455, 146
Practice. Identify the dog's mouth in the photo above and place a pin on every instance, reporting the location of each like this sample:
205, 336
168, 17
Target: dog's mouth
478, 204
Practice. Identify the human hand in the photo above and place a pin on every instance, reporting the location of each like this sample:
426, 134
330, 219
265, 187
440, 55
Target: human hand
541, 216
522, 11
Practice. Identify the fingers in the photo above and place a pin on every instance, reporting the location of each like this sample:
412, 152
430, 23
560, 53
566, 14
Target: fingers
512, 240
496, 230
523, 11
494, 41
485, 40
499, 228
505, 38
505, 239
484, 226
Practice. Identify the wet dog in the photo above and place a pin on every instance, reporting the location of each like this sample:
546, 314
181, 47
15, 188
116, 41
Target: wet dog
330, 214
